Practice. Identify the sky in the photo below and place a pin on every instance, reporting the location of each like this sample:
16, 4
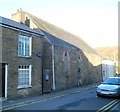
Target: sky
95, 21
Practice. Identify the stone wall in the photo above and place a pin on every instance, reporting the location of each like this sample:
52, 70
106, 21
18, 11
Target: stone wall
73, 68
0, 79
47, 63
47, 55
10, 56
0, 44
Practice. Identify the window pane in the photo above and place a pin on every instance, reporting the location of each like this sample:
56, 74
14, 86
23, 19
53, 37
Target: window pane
23, 75
24, 46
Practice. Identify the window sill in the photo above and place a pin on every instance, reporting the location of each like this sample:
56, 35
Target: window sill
25, 86
25, 57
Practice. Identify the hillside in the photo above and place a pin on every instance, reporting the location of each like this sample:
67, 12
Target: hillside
108, 52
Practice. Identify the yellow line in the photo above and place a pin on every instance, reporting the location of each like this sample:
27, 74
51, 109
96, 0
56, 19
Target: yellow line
106, 106
112, 105
36, 101
33, 102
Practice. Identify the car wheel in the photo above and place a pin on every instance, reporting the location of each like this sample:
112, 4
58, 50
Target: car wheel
98, 95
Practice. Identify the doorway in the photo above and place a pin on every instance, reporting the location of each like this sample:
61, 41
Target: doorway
3, 80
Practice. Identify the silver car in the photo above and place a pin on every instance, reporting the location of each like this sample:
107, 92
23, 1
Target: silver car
110, 87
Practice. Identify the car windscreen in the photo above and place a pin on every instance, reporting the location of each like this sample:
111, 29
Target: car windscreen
112, 81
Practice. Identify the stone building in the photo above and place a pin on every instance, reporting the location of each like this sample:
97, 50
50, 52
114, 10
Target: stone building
20, 60
67, 60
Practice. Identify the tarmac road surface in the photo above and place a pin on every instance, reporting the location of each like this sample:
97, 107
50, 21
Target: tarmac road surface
82, 100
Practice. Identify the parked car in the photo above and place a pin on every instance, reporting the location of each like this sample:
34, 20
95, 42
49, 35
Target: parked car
109, 87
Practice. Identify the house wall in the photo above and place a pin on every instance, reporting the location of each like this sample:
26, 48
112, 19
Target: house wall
75, 69
10, 56
47, 55
0, 44
0, 61
108, 68
0, 79
47, 65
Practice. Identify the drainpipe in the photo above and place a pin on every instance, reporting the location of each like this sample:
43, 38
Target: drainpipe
53, 67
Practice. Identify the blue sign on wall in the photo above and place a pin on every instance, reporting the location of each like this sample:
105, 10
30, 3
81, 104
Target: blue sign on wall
39, 54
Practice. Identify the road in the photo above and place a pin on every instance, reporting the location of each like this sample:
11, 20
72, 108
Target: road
116, 108
84, 100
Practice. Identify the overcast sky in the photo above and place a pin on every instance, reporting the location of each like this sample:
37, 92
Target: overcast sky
95, 21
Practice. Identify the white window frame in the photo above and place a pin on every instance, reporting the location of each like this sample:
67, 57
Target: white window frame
30, 47
30, 80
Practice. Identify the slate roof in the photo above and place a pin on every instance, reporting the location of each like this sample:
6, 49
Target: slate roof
60, 34
12, 24
56, 41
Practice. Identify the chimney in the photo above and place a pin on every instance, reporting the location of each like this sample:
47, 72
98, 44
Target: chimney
20, 17
27, 22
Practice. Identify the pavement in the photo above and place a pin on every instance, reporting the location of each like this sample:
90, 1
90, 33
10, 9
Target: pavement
14, 103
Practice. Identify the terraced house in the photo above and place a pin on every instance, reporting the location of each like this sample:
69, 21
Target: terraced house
20, 65
67, 60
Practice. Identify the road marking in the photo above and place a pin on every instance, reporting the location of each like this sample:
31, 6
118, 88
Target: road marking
40, 100
108, 106
37, 101
112, 105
